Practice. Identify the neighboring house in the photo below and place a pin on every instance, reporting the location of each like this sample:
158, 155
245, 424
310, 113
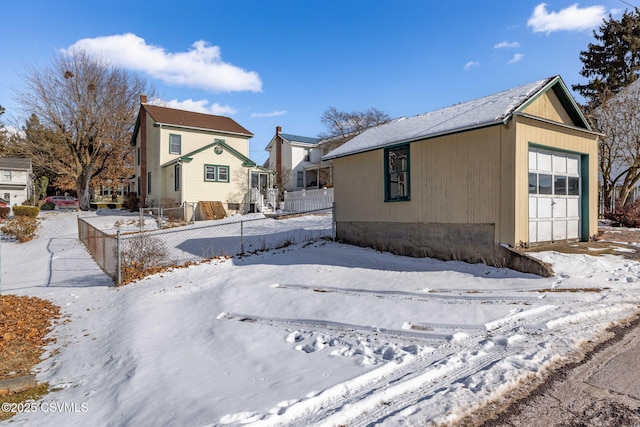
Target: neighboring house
15, 180
183, 156
297, 161
465, 182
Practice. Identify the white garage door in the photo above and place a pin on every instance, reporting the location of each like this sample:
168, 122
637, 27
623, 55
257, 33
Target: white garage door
554, 196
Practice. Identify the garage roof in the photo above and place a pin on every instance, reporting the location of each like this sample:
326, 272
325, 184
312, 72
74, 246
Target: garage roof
487, 111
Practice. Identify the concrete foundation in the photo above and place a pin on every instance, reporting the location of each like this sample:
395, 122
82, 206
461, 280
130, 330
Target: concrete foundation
473, 243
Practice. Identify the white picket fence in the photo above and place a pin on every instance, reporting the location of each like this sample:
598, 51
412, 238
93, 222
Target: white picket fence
308, 200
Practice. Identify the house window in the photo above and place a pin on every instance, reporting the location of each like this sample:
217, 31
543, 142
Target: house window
6, 175
558, 185
300, 180
139, 185
148, 182
176, 177
175, 144
396, 167
216, 173
138, 156
307, 155
223, 173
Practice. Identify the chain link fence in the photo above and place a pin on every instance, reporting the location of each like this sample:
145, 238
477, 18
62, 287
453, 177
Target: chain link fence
127, 256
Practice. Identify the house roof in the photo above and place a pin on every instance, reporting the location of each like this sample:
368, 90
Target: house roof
190, 119
294, 139
490, 110
14, 163
297, 138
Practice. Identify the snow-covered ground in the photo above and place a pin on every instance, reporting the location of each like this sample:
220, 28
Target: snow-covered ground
316, 333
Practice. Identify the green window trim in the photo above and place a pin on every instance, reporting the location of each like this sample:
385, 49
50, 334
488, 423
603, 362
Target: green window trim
397, 173
175, 144
216, 173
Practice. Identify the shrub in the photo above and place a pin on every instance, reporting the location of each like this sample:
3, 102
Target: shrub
627, 215
142, 255
132, 201
48, 206
4, 211
22, 228
30, 211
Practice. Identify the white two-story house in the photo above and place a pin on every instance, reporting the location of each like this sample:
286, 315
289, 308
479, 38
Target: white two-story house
297, 162
15, 180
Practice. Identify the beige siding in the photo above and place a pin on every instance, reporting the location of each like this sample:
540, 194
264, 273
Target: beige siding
549, 107
505, 225
193, 140
476, 177
195, 187
534, 132
454, 179
170, 196
153, 163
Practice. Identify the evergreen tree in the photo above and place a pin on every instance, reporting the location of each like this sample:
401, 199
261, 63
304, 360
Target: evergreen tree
613, 61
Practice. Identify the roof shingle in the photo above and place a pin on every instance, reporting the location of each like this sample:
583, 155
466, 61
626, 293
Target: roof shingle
171, 116
14, 163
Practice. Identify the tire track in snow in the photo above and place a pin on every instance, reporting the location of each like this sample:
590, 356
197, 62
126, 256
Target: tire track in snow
414, 296
409, 337
386, 392
418, 387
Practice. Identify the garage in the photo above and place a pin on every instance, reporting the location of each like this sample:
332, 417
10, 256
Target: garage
554, 195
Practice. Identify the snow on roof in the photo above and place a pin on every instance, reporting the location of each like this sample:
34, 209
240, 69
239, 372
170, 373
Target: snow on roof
484, 111
298, 138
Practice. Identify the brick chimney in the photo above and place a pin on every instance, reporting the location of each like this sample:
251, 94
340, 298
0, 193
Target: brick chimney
143, 99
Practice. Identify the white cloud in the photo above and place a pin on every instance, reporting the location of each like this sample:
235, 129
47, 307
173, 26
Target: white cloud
271, 114
506, 44
516, 58
201, 107
571, 18
201, 66
471, 64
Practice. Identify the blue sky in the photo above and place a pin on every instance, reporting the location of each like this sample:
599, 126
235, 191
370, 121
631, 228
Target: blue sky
268, 63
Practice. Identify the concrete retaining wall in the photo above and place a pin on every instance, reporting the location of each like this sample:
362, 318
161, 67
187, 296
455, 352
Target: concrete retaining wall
473, 243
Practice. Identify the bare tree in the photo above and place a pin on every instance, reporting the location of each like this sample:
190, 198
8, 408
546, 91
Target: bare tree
618, 119
282, 178
3, 131
91, 108
342, 126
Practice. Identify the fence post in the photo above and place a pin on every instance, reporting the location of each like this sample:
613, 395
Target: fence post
160, 217
118, 259
241, 236
141, 220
